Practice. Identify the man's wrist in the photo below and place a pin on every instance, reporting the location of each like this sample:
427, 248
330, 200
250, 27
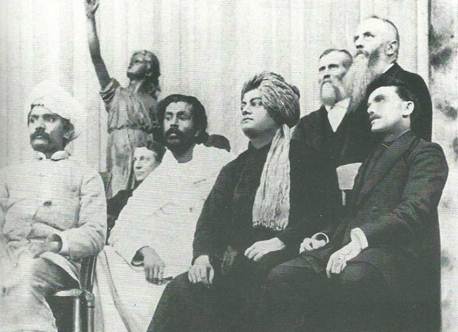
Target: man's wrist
202, 259
278, 243
146, 251
56, 244
357, 235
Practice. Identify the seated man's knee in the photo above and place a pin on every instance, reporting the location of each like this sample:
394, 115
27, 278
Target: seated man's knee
360, 279
278, 275
357, 273
179, 287
47, 278
39, 276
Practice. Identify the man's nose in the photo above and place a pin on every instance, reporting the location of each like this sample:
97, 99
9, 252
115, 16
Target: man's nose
174, 122
246, 110
39, 124
359, 44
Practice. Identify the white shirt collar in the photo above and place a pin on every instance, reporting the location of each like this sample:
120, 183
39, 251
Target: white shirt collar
388, 68
337, 113
340, 104
58, 155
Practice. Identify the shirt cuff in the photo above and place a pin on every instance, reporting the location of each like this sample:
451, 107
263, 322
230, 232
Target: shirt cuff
321, 236
64, 250
358, 235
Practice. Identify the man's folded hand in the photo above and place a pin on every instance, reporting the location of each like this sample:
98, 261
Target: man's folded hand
201, 271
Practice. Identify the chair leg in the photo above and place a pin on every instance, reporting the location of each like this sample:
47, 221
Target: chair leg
76, 314
90, 304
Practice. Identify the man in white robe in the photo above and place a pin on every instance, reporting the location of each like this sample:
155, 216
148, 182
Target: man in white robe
53, 215
152, 239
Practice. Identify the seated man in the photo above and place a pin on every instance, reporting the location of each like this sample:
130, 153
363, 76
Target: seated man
152, 239
261, 206
54, 214
146, 159
385, 254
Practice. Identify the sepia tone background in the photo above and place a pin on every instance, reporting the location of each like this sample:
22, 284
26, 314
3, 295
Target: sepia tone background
208, 48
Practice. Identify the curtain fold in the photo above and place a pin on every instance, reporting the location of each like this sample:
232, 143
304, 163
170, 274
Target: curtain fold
207, 48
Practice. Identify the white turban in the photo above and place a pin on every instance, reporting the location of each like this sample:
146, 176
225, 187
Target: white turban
54, 98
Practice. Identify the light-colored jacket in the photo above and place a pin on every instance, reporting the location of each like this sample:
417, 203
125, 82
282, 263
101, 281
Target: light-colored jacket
57, 195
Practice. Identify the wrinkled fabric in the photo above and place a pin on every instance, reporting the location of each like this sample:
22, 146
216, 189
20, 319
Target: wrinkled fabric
162, 213
39, 198
131, 123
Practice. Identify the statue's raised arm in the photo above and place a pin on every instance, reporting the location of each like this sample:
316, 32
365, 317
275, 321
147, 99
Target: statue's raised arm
94, 45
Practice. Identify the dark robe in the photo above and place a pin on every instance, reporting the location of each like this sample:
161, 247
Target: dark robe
225, 226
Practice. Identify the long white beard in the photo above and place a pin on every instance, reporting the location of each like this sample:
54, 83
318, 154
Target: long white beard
359, 76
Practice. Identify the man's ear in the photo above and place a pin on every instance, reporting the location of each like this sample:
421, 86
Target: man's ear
197, 133
69, 134
391, 48
408, 109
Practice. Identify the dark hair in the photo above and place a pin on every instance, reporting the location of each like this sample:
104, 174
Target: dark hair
199, 115
152, 80
401, 89
69, 128
347, 63
156, 147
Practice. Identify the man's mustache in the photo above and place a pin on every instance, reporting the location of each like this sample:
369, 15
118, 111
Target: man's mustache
359, 52
41, 134
327, 80
175, 131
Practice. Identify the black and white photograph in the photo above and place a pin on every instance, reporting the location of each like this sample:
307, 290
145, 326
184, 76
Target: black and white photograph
228, 165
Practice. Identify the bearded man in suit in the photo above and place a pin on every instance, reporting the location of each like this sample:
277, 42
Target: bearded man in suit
375, 64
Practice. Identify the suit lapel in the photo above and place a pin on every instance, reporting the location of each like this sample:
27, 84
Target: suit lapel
318, 129
367, 182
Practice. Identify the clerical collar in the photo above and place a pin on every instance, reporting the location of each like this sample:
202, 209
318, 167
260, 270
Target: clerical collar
340, 104
59, 155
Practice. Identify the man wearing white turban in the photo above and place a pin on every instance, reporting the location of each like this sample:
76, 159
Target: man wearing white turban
53, 215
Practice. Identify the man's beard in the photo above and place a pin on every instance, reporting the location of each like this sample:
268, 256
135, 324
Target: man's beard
330, 93
179, 143
360, 75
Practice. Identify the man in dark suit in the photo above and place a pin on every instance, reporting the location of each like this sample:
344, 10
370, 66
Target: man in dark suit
375, 64
321, 129
385, 255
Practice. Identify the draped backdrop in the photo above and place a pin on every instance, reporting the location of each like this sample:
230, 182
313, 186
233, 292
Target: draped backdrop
207, 48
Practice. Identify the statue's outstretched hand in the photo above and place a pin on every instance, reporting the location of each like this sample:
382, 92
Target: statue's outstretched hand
91, 7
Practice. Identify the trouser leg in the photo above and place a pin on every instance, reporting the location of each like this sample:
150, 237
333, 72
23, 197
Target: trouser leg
186, 307
226, 306
24, 306
362, 300
293, 297
243, 288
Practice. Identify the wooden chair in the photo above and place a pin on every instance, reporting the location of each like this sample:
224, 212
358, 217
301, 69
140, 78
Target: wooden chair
83, 300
